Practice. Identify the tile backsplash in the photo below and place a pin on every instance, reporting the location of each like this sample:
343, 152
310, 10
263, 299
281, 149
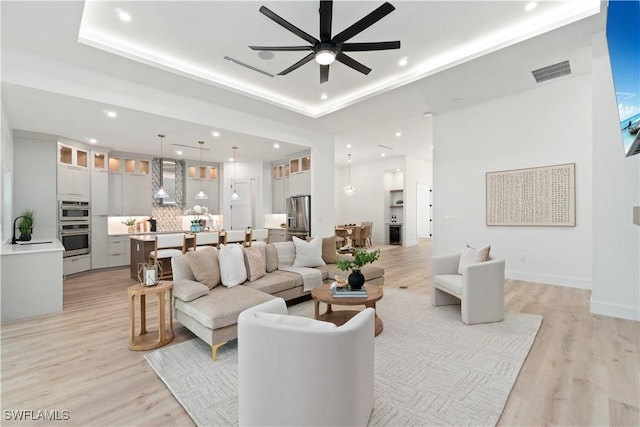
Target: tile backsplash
169, 217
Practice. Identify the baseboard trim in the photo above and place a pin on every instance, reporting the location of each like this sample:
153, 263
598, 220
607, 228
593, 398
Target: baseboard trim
628, 312
549, 280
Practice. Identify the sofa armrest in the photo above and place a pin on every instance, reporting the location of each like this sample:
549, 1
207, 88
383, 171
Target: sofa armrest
445, 264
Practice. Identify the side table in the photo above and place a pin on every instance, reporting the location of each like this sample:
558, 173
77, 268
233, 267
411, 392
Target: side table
164, 334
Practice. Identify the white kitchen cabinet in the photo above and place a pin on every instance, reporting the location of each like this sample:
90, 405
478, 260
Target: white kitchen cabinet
73, 183
299, 183
119, 251
76, 264
99, 242
115, 194
99, 192
279, 195
276, 235
136, 195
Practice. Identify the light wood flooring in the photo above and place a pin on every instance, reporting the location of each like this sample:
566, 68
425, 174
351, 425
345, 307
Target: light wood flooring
582, 368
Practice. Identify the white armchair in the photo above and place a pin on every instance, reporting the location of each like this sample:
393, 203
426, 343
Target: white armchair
479, 289
294, 373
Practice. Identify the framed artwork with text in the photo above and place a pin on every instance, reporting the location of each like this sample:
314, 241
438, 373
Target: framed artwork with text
540, 196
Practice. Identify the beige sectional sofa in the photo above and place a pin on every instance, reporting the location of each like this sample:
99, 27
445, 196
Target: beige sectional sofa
210, 310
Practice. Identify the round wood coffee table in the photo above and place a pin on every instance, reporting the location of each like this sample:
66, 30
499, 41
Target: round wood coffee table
340, 317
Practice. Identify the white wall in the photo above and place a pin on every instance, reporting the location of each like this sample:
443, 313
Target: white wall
369, 202
34, 182
417, 172
616, 189
6, 159
549, 125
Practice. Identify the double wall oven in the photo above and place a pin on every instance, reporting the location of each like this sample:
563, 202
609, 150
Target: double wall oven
74, 227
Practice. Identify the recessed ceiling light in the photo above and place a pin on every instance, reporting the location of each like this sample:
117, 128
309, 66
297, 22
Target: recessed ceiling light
124, 16
215, 133
231, 159
111, 114
324, 95
398, 170
398, 133
179, 152
91, 140
403, 61
276, 145
383, 154
348, 145
530, 6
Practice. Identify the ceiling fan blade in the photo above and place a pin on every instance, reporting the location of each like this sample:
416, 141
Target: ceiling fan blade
289, 26
361, 47
350, 62
282, 48
326, 15
297, 64
324, 74
364, 23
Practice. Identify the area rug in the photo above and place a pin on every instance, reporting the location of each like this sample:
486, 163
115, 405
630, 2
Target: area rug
430, 368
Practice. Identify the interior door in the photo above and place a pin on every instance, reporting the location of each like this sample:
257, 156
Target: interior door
241, 208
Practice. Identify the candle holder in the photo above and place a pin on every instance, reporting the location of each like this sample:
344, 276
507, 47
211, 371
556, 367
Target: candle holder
148, 273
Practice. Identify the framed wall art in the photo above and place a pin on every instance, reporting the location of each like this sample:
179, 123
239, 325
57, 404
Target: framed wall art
539, 196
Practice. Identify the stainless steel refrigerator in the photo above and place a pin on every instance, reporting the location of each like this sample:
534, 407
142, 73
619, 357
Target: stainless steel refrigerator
298, 216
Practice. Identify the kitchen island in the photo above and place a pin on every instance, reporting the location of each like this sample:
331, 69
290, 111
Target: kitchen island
143, 244
31, 278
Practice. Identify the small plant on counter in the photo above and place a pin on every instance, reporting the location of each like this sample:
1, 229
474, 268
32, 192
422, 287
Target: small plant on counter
129, 222
26, 224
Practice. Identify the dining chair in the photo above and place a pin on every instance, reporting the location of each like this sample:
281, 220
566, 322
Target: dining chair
356, 237
366, 236
341, 237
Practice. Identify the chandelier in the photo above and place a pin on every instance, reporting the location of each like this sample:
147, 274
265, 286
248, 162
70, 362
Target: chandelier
349, 189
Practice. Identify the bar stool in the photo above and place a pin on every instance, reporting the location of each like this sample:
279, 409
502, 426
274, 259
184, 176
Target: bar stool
206, 239
166, 246
222, 238
248, 236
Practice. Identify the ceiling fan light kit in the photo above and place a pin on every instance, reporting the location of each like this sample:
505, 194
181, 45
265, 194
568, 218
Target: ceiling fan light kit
329, 49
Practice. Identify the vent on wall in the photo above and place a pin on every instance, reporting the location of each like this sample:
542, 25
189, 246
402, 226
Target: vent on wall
552, 71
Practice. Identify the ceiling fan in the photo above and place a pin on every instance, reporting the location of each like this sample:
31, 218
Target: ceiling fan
328, 48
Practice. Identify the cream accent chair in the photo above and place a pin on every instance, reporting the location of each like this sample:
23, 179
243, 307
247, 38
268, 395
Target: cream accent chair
295, 375
479, 289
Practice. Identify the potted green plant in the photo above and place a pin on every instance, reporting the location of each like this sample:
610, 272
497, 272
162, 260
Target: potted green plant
355, 264
130, 223
26, 225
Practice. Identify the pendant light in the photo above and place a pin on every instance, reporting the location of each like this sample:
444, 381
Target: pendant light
201, 195
234, 195
349, 189
161, 194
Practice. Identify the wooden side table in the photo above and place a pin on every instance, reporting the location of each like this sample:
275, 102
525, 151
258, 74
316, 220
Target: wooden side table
164, 334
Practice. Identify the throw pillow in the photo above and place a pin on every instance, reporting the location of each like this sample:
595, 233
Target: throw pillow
232, 269
255, 263
472, 256
329, 253
308, 254
272, 257
286, 253
188, 290
204, 265
298, 321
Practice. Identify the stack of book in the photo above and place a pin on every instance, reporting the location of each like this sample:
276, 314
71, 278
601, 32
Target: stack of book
347, 292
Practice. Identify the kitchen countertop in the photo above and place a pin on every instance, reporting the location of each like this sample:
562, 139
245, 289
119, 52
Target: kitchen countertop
32, 247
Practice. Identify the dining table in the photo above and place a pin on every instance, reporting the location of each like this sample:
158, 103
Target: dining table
346, 231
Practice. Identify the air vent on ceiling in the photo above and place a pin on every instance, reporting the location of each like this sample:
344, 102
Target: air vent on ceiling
552, 71
235, 61
384, 146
